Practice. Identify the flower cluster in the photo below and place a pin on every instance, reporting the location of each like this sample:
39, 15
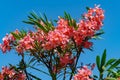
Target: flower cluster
62, 35
64, 60
7, 40
88, 26
25, 44
57, 47
83, 74
10, 74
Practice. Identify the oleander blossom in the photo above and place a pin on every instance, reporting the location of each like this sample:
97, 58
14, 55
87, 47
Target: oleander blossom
25, 44
83, 74
11, 74
63, 35
88, 26
57, 48
7, 41
64, 60
60, 36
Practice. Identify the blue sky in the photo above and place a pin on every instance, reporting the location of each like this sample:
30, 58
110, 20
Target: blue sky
13, 12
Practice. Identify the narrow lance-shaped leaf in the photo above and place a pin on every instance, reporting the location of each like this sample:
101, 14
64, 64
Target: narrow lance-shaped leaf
114, 65
39, 70
15, 35
98, 62
40, 26
35, 77
109, 62
34, 16
45, 17
29, 22
109, 78
103, 59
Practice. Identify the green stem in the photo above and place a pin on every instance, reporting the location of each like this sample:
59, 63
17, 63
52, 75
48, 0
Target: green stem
77, 58
74, 67
53, 76
101, 76
64, 76
24, 64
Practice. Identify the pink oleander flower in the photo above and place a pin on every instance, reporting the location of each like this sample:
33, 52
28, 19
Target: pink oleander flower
87, 27
55, 38
11, 74
83, 74
20, 49
65, 28
39, 36
7, 41
60, 36
87, 44
25, 44
66, 59
20, 76
8, 71
96, 16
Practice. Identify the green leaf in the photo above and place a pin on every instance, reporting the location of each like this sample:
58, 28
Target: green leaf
34, 76
97, 35
109, 62
45, 17
40, 26
29, 22
87, 8
34, 15
32, 60
103, 59
35, 19
98, 62
15, 35
114, 65
109, 78
39, 70
66, 16
95, 76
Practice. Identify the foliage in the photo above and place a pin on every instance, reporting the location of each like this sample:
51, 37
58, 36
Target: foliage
58, 48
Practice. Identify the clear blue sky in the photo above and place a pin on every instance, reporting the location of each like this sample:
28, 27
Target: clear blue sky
13, 12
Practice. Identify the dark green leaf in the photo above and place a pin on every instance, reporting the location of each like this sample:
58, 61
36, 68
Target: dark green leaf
45, 17
29, 22
103, 59
95, 76
109, 62
34, 15
34, 76
114, 65
15, 35
32, 60
39, 70
40, 26
98, 62
87, 8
